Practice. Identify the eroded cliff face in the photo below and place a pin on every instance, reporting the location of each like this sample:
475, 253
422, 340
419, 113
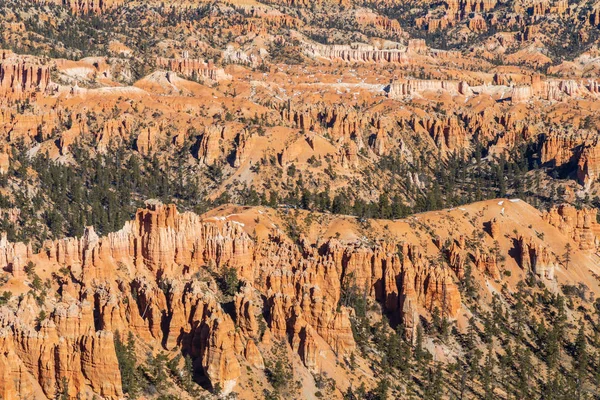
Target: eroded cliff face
20, 76
153, 279
141, 279
85, 6
193, 68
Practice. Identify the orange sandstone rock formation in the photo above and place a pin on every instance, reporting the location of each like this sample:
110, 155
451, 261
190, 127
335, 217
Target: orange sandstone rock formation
193, 68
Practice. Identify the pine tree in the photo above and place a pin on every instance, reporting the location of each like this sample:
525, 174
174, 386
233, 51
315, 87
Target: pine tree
381, 390
64, 389
524, 373
567, 255
419, 352
488, 374
188, 375
435, 385
580, 360
349, 395
127, 364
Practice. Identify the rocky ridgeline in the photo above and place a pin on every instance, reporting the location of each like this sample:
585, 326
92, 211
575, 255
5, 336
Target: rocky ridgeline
346, 126
141, 279
361, 52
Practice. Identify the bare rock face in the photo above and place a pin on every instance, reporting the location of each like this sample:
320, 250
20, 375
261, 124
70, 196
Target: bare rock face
210, 149
382, 23
253, 356
339, 122
495, 229
417, 46
242, 148
560, 149
64, 346
217, 352
113, 130
147, 140
349, 155
193, 68
535, 258
380, 143
588, 166
301, 289
477, 24
521, 93
487, 263
248, 311
581, 148
579, 225
360, 53
432, 24
22, 75
85, 6
408, 87
14, 255
542, 8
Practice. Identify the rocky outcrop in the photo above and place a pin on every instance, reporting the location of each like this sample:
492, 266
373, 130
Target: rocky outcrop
407, 87
477, 24
459, 9
535, 258
560, 149
64, 349
86, 6
594, 16
417, 46
193, 68
210, 148
579, 225
143, 279
336, 121
380, 22
147, 140
432, 25
154, 278
358, 53
521, 93
495, 229
164, 242
115, 130
13, 256
242, 148
22, 75
541, 8
578, 150
588, 165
